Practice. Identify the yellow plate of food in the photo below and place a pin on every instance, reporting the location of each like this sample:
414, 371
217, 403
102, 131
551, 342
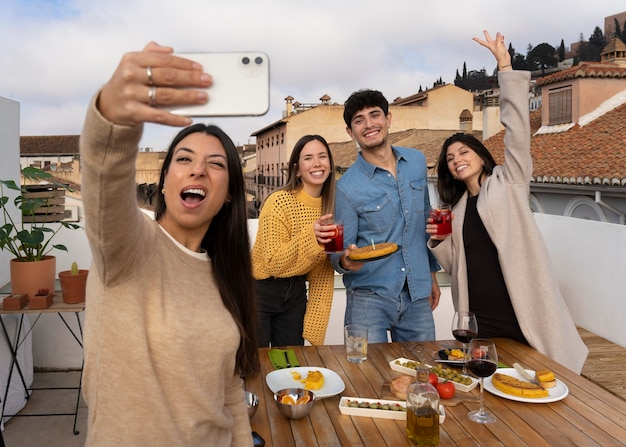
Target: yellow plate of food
373, 252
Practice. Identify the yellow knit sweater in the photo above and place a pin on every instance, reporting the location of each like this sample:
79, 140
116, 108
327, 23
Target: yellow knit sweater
286, 246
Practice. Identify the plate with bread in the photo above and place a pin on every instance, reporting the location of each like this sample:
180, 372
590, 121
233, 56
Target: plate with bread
373, 252
508, 383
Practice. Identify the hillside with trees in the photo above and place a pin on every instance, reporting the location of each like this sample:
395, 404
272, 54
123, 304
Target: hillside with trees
541, 58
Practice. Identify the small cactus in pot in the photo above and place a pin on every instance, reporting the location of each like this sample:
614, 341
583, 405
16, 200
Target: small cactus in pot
73, 284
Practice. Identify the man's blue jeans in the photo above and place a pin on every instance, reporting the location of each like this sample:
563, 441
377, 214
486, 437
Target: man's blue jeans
406, 320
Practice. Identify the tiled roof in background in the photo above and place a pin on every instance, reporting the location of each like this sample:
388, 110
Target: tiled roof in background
585, 70
591, 154
49, 145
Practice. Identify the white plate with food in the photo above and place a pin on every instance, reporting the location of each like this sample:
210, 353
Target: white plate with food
464, 383
405, 366
293, 378
446, 356
556, 393
373, 408
376, 408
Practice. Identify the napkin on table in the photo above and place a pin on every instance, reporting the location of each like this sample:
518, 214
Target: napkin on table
277, 357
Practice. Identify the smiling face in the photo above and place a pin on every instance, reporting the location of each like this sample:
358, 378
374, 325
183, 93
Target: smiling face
370, 128
196, 187
465, 165
313, 167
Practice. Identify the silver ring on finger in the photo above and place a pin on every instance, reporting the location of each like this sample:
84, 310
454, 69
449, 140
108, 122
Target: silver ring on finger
152, 96
149, 74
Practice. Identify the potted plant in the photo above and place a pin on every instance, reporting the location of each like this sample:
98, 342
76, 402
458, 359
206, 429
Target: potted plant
29, 240
73, 284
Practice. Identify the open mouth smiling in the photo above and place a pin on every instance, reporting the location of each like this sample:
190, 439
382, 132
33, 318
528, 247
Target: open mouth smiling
193, 195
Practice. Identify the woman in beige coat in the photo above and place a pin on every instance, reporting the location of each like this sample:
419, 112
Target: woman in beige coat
499, 264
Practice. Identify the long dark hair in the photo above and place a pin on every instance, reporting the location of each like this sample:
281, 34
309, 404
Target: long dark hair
450, 189
228, 245
294, 183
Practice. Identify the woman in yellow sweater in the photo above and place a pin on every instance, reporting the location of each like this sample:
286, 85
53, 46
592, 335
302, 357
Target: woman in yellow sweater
287, 251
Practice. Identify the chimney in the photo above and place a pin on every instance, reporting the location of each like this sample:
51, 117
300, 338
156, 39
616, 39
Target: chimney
288, 105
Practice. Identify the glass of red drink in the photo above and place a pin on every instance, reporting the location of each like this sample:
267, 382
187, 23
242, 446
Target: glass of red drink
335, 245
442, 217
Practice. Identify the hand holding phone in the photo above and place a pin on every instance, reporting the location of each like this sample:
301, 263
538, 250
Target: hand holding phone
240, 84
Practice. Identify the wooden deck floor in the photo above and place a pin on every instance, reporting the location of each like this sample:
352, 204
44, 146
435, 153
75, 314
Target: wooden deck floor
606, 363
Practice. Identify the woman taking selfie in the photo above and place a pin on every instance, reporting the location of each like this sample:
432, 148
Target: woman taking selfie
169, 328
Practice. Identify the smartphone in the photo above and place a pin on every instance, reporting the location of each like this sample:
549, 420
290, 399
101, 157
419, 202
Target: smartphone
240, 84
258, 441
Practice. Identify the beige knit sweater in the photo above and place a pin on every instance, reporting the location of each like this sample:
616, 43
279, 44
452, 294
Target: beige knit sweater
159, 344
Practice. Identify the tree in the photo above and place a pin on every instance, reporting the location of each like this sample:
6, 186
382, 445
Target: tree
590, 51
562, 51
617, 33
511, 51
542, 57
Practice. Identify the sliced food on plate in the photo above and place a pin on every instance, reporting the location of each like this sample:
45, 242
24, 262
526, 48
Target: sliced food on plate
546, 378
374, 251
511, 385
314, 379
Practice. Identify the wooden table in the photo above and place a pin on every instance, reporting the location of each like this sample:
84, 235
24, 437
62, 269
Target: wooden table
588, 416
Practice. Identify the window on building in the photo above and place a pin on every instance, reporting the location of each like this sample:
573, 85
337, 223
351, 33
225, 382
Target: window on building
560, 105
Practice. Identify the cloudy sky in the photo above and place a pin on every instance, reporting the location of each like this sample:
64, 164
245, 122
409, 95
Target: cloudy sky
55, 54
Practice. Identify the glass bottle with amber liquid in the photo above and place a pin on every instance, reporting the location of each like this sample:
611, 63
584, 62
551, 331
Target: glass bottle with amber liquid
422, 416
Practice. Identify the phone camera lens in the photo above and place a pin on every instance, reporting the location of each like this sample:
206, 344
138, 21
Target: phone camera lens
258, 60
245, 60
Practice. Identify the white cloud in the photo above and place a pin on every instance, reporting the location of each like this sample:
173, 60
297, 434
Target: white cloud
55, 54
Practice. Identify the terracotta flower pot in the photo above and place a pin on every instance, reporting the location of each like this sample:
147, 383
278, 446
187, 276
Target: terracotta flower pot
27, 278
14, 302
73, 286
42, 301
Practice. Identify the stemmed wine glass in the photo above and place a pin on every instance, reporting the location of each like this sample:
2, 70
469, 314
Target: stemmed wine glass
464, 329
483, 363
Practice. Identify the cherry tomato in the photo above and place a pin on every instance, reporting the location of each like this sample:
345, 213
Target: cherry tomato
445, 389
478, 353
433, 379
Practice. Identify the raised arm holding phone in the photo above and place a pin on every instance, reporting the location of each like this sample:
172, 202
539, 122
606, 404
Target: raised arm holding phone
169, 328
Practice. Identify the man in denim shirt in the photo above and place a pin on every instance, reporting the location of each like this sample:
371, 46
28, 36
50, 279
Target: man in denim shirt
383, 197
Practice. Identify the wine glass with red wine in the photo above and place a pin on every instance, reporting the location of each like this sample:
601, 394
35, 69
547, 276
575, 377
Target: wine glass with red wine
464, 329
483, 362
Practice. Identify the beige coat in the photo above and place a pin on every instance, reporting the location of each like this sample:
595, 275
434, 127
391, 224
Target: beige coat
504, 209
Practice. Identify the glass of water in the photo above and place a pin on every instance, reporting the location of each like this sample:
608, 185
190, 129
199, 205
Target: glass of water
355, 336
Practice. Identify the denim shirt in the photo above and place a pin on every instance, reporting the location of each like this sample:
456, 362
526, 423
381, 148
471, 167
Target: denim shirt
373, 205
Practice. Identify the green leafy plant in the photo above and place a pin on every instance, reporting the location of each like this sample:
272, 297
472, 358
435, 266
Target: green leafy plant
30, 242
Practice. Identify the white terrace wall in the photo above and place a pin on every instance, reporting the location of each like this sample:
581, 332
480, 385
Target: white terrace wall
590, 262
10, 165
589, 258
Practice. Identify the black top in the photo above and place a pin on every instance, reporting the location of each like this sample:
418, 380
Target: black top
488, 296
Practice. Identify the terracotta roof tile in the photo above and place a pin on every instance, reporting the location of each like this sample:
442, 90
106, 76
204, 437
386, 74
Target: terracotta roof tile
590, 154
49, 145
585, 70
